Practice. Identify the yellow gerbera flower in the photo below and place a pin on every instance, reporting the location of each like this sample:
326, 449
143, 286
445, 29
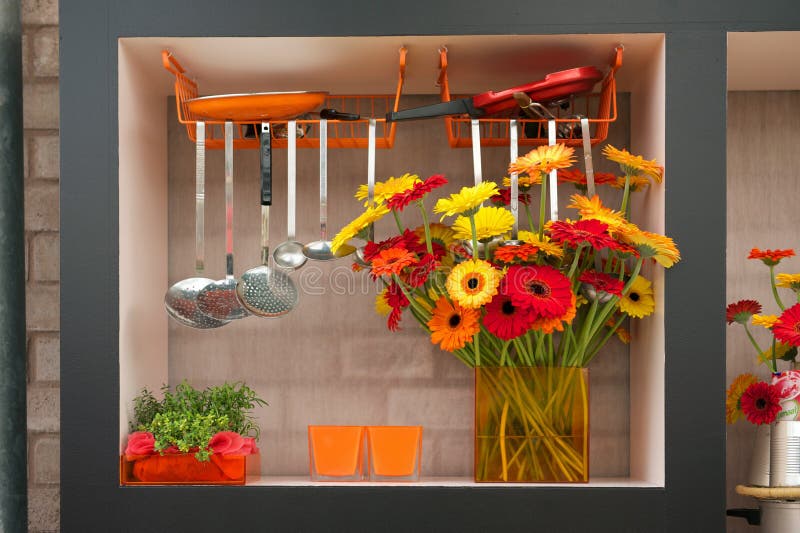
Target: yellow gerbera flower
781, 349
440, 234
544, 244
352, 229
765, 321
733, 410
524, 181
637, 183
659, 247
382, 307
633, 165
489, 222
466, 200
788, 281
472, 283
543, 159
638, 301
594, 208
386, 189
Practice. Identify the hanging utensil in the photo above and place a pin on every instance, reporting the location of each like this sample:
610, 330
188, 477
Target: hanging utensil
264, 291
370, 189
289, 254
321, 250
181, 299
254, 107
513, 135
218, 299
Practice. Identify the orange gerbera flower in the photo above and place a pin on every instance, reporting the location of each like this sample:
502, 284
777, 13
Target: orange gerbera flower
549, 325
509, 253
391, 261
578, 178
452, 326
633, 165
770, 257
543, 159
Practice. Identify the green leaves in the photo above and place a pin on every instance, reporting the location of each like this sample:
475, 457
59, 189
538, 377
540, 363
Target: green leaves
188, 418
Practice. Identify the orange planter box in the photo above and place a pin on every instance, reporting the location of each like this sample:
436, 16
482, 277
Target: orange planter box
395, 452
336, 453
184, 469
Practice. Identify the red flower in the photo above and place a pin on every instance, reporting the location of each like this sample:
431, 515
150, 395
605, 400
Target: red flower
140, 443
226, 443
589, 231
401, 200
541, 288
602, 282
418, 272
760, 403
391, 261
741, 311
770, 257
578, 178
509, 253
249, 447
506, 320
408, 240
503, 197
397, 301
787, 328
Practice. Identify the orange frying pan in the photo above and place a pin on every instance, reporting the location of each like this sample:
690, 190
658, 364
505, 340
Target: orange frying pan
256, 107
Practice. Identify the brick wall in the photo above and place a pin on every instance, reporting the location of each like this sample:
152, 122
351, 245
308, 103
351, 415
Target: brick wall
40, 93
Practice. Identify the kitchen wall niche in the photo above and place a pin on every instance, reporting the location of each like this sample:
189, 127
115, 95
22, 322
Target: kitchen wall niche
762, 192
332, 361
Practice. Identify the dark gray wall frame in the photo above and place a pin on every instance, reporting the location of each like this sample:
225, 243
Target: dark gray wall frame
694, 496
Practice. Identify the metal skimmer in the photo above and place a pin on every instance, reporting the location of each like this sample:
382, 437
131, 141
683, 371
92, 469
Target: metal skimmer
218, 299
181, 299
264, 291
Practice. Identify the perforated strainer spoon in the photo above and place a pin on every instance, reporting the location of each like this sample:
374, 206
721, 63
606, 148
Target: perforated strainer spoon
321, 250
264, 291
218, 299
289, 254
181, 299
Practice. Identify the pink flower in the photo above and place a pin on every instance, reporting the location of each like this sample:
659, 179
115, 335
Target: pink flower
140, 443
226, 443
249, 446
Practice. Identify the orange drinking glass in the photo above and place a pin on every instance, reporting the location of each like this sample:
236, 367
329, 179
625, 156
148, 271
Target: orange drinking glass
395, 452
336, 453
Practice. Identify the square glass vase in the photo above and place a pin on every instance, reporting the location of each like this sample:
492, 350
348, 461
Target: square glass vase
395, 453
336, 453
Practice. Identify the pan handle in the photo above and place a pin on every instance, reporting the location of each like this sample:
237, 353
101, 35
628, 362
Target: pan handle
266, 164
753, 516
463, 106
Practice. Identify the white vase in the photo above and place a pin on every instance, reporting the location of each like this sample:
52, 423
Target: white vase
758, 475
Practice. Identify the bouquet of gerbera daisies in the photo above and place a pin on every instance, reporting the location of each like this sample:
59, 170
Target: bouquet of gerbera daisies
549, 299
761, 402
553, 297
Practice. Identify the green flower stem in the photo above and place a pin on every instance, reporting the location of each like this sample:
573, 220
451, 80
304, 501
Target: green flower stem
774, 360
602, 342
626, 194
426, 224
504, 353
397, 220
588, 324
542, 205
634, 275
530, 218
476, 340
774, 287
575, 261
759, 351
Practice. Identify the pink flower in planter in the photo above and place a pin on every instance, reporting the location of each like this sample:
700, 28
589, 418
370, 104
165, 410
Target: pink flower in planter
140, 443
226, 443
249, 446
171, 450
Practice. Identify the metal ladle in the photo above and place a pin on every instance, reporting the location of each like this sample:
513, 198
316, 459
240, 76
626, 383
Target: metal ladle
360, 260
289, 254
218, 299
264, 291
181, 299
321, 250
513, 135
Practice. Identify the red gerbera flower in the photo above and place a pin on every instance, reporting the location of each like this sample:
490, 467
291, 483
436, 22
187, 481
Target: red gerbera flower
509, 253
408, 241
602, 282
770, 257
506, 320
541, 288
401, 200
787, 328
741, 311
503, 197
590, 231
397, 300
760, 403
419, 271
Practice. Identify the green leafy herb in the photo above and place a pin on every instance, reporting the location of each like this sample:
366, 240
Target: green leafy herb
187, 418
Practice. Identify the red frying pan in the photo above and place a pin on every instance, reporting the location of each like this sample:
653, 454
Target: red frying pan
554, 86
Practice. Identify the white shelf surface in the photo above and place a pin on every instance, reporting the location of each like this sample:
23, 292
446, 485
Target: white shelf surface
458, 482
